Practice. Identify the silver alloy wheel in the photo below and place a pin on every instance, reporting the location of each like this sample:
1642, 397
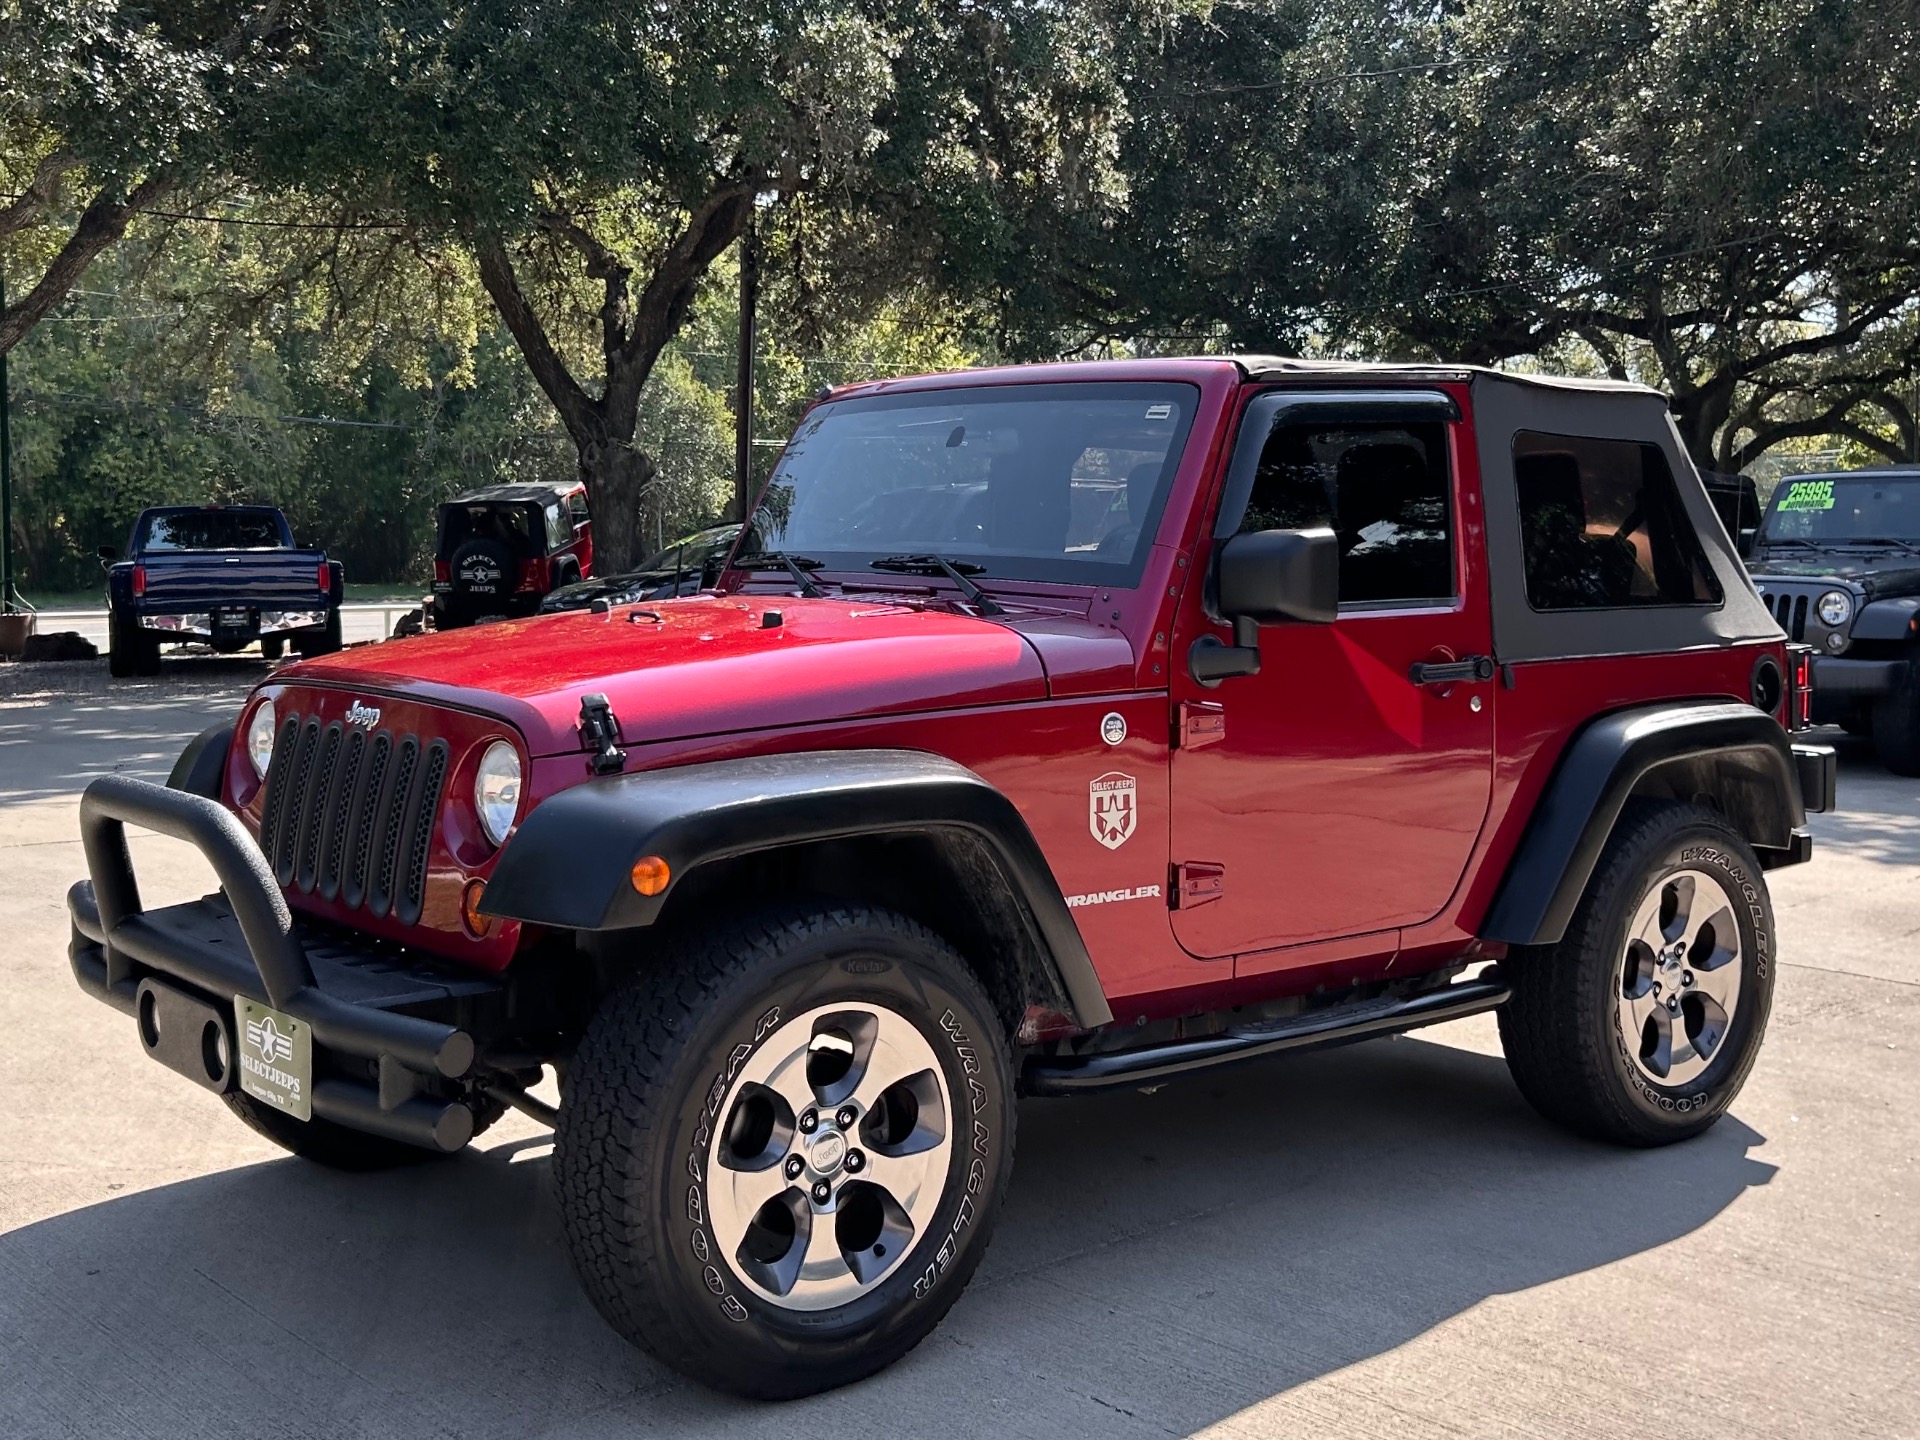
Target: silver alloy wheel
831, 1155
1680, 977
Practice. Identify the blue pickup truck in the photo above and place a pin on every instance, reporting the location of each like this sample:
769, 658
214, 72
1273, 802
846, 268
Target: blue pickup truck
222, 576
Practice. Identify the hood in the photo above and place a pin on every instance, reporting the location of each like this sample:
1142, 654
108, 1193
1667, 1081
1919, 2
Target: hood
703, 665
1881, 575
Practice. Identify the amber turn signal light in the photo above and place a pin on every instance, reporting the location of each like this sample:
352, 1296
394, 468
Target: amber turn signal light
650, 875
477, 924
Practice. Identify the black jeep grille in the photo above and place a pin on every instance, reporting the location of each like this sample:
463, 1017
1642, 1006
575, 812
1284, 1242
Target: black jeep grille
351, 815
1791, 612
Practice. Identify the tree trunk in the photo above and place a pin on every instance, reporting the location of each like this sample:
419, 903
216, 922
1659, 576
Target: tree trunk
616, 476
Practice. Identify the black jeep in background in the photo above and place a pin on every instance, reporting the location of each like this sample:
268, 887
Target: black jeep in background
500, 549
222, 576
1837, 560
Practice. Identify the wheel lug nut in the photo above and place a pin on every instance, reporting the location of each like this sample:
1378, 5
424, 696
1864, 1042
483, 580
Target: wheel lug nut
1673, 1002
845, 1119
822, 1192
794, 1166
809, 1122
855, 1162
1687, 978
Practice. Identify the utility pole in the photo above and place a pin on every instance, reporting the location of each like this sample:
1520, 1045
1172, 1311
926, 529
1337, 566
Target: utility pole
743, 375
7, 588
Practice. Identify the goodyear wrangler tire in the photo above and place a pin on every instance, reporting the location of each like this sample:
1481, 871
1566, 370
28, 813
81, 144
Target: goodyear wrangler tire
780, 1157
1642, 1023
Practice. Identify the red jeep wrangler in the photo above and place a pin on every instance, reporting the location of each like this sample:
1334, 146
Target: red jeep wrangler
1051, 729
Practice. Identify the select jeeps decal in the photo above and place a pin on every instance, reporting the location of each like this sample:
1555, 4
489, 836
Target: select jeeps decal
1109, 897
1110, 809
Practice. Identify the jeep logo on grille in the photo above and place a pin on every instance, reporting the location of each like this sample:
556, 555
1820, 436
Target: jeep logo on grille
365, 716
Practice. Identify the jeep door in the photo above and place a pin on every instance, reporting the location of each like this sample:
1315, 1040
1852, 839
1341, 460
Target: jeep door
1332, 794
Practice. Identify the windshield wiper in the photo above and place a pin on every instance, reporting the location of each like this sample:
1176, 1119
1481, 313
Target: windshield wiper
1906, 545
795, 565
1770, 540
957, 572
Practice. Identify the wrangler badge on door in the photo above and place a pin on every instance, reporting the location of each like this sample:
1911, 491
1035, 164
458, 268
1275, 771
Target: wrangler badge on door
1110, 809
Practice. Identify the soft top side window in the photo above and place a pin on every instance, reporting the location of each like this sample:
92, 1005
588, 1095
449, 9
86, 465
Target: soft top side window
1384, 490
1602, 526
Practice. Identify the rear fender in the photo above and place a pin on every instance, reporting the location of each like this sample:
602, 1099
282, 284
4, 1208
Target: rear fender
570, 862
1734, 756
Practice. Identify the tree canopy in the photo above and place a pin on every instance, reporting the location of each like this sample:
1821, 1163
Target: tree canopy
523, 219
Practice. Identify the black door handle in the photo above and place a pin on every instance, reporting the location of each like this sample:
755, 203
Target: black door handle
1453, 672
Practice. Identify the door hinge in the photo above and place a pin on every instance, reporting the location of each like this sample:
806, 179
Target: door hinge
1201, 722
1196, 882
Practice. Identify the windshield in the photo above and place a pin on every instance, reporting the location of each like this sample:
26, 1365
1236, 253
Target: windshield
213, 530
1841, 508
1026, 482
691, 551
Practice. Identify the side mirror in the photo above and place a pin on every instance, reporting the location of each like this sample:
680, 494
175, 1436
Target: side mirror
107, 553
1266, 577
1744, 541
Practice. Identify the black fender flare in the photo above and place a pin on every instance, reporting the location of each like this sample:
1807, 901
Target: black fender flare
1889, 619
201, 768
570, 862
1738, 753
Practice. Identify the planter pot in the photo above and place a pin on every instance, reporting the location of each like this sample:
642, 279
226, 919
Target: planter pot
14, 630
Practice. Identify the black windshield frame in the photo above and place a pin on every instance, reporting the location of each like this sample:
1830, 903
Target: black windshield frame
1102, 404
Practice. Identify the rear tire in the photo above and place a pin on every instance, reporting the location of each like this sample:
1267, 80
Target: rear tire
1896, 723
712, 1070
122, 638
1642, 1023
273, 646
326, 642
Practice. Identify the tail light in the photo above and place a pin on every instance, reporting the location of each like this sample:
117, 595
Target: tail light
139, 581
326, 578
533, 576
1799, 687
442, 572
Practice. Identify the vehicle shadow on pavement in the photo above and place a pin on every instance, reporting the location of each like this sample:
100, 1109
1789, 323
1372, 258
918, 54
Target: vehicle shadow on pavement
1164, 1261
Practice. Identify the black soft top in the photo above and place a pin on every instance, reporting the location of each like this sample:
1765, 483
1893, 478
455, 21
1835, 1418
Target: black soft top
517, 494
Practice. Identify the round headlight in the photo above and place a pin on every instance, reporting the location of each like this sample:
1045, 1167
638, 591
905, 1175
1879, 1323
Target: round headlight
260, 738
496, 790
1835, 608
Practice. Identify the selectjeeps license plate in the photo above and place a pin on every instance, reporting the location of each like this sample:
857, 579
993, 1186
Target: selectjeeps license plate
276, 1058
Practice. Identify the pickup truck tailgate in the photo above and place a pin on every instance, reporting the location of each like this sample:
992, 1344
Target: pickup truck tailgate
249, 577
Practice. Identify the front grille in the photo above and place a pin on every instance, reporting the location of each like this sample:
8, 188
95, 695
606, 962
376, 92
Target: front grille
350, 815
1791, 612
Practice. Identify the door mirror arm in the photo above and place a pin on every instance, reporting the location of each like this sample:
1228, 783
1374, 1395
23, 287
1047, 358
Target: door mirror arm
1262, 578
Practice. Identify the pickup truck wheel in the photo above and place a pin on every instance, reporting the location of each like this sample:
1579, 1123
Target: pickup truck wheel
123, 642
780, 1157
326, 642
1896, 724
1641, 1024
273, 646
146, 653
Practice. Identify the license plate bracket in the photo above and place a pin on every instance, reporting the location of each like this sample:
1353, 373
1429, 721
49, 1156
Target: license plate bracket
276, 1057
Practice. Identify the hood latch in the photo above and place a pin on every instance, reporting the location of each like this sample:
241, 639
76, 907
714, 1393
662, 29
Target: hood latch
600, 732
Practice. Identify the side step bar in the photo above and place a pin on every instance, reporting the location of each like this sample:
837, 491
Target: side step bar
1337, 1025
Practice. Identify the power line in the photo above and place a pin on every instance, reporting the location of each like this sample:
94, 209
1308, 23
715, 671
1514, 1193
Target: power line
252, 223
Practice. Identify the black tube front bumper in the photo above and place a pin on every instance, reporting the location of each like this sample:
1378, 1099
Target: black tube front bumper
393, 1038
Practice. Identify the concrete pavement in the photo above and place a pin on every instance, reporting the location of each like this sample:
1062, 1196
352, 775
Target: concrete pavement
1371, 1241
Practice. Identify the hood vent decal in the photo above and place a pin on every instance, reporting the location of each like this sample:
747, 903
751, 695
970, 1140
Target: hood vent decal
600, 733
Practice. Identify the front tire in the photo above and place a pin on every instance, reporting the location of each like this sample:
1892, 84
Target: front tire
779, 1158
1642, 1023
1896, 723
